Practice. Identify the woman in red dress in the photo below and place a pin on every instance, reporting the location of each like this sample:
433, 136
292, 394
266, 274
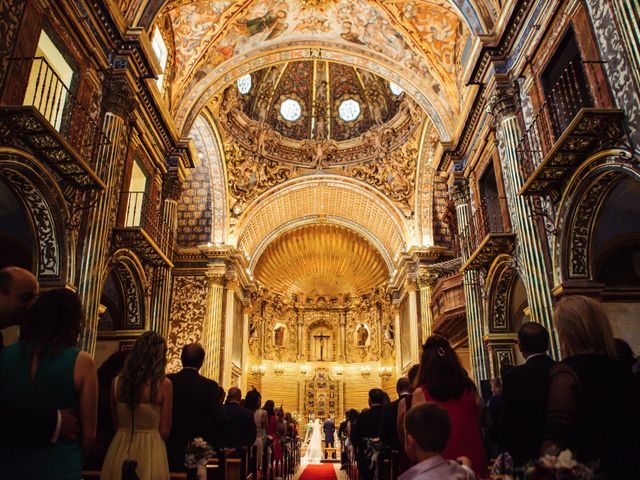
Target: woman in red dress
443, 380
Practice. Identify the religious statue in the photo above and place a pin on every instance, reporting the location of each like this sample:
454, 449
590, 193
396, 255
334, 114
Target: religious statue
388, 332
362, 334
278, 337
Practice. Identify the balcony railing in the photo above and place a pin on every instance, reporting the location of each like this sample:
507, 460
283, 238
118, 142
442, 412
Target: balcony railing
142, 230
565, 129
53, 123
486, 235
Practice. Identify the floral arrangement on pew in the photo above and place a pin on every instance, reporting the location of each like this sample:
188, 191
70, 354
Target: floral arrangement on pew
197, 453
548, 467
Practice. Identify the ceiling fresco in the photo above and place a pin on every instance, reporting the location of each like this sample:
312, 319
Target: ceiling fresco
208, 34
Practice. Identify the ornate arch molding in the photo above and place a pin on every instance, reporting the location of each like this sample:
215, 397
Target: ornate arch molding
500, 281
196, 99
208, 144
579, 212
131, 275
47, 210
385, 222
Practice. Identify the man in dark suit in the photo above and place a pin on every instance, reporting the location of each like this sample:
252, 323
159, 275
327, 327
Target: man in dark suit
524, 391
19, 289
388, 422
239, 425
367, 426
196, 412
329, 429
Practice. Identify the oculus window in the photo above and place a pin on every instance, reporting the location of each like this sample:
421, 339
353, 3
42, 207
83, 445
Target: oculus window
395, 88
349, 110
290, 110
244, 84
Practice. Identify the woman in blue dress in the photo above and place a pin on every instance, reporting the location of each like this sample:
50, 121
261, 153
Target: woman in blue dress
45, 369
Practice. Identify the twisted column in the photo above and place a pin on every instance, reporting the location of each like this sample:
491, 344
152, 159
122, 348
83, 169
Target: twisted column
212, 329
471, 284
229, 320
504, 106
110, 158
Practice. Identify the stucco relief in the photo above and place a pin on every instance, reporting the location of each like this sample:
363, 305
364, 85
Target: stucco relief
188, 310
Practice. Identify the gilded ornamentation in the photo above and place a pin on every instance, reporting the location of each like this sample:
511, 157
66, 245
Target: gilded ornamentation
500, 297
132, 295
188, 310
505, 102
250, 175
393, 175
43, 221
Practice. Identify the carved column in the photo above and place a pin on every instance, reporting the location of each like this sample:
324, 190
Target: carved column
504, 106
395, 311
300, 325
343, 335
172, 189
459, 191
229, 320
412, 292
245, 347
426, 282
97, 231
211, 330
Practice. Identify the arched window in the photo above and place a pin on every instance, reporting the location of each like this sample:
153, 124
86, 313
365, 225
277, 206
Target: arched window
160, 49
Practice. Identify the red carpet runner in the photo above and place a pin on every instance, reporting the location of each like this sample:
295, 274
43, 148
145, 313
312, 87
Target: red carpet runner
324, 471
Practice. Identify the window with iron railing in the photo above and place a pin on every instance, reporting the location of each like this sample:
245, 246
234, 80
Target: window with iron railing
484, 221
566, 92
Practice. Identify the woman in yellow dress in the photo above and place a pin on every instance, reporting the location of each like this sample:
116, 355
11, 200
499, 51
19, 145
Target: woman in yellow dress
141, 402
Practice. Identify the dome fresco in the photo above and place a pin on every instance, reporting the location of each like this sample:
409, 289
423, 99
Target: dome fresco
317, 99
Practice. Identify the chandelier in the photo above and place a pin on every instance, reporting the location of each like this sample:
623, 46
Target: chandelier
259, 370
339, 370
278, 369
365, 371
304, 368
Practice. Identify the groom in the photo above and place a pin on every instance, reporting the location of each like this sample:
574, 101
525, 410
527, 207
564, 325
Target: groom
329, 429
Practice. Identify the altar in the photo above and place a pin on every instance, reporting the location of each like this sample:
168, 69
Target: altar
322, 396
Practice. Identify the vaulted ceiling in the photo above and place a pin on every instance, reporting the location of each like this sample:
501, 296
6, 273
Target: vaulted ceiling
321, 260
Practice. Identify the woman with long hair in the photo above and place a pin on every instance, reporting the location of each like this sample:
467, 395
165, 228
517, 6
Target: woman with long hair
141, 400
593, 401
45, 369
443, 380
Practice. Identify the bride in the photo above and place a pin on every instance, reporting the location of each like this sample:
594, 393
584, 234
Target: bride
314, 450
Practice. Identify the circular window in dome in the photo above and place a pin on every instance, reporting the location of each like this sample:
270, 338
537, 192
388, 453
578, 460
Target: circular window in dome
290, 110
349, 110
395, 88
244, 84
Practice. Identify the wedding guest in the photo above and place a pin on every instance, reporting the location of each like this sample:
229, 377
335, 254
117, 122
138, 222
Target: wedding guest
252, 403
342, 435
427, 435
495, 406
593, 401
196, 412
221, 395
443, 380
624, 354
45, 370
141, 402
388, 422
18, 290
109, 370
403, 407
525, 391
367, 427
239, 425
272, 429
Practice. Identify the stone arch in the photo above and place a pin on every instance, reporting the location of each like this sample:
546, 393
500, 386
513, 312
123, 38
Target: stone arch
578, 212
210, 199
503, 307
333, 198
128, 276
47, 211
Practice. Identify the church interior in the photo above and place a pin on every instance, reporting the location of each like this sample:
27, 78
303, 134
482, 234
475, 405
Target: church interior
311, 188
